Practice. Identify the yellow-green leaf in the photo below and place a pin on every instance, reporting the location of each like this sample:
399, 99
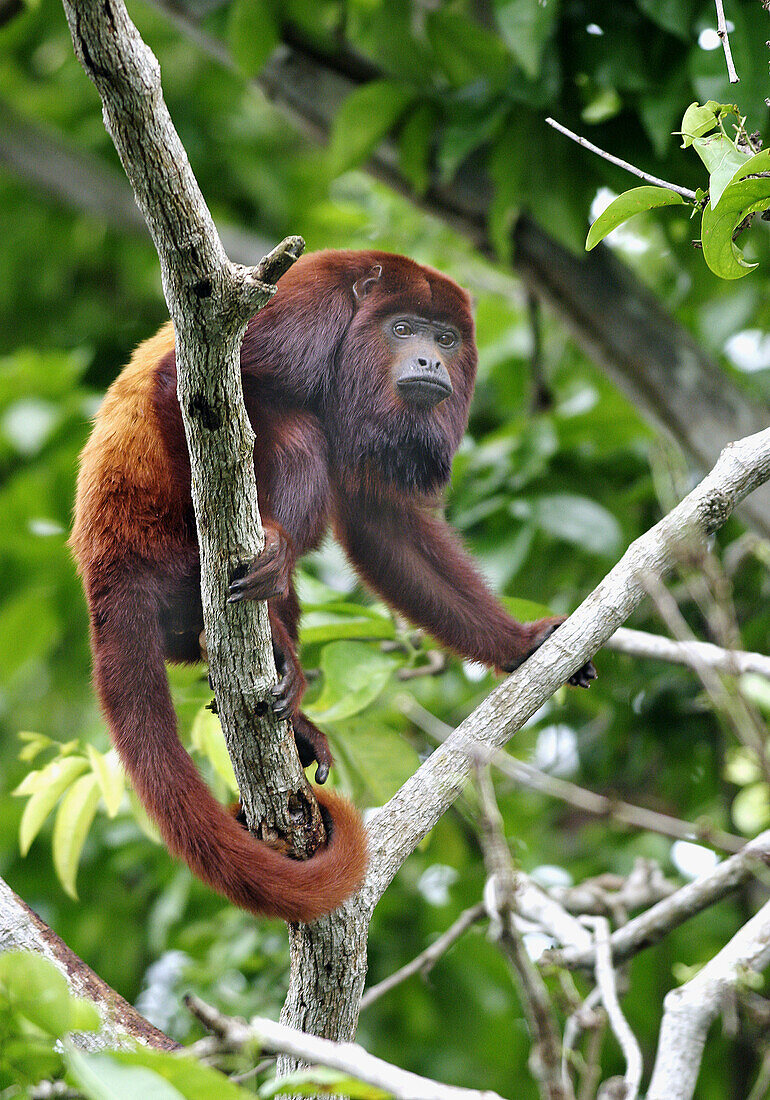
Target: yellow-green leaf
59, 774
34, 744
697, 121
207, 737
50, 784
110, 777
73, 820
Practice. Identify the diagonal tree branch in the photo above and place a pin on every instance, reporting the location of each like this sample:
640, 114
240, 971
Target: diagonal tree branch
402, 823
21, 929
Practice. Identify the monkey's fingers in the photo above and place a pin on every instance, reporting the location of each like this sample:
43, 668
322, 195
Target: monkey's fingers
583, 677
312, 745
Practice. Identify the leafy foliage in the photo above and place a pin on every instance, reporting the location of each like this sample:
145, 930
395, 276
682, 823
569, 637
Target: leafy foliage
738, 188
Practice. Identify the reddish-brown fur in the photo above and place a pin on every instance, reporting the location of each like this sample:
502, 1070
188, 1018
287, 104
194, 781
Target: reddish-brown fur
336, 445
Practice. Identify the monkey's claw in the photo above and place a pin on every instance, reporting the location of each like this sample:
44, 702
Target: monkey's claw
583, 677
282, 698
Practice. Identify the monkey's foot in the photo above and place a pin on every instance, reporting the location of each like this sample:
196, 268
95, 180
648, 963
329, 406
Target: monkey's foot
312, 745
543, 629
268, 575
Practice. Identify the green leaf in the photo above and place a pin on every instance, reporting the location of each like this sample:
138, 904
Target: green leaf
415, 142
35, 743
383, 759
363, 120
697, 121
84, 1015
188, 1076
73, 820
578, 520
354, 675
635, 201
206, 736
46, 787
740, 198
102, 1077
110, 777
253, 33
31, 1060
465, 51
321, 1081
37, 990
336, 622
526, 26
722, 160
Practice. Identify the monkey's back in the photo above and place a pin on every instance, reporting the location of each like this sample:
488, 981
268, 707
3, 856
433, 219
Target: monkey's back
125, 499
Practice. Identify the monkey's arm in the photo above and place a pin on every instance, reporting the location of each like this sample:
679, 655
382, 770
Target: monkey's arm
417, 563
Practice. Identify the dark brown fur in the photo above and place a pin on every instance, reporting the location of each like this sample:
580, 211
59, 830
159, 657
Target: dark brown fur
336, 445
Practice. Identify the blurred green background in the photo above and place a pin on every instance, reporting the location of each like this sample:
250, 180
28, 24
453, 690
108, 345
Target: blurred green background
558, 473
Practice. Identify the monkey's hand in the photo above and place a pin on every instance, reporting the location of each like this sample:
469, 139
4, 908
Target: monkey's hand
538, 632
268, 575
291, 685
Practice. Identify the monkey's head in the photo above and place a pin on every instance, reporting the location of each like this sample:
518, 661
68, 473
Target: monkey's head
403, 375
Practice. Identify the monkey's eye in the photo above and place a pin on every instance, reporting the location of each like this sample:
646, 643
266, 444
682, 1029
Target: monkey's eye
402, 328
447, 339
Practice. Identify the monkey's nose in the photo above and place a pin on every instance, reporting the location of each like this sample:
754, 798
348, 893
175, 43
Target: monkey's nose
424, 382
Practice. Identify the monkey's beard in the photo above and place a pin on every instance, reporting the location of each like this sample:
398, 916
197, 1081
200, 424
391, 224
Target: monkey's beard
408, 450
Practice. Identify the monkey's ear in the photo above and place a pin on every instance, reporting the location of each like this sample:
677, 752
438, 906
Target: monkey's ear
362, 286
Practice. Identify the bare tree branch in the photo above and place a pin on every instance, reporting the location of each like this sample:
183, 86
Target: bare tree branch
399, 826
21, 929
685, 192
349, 1058
691, 1009
650, 927
691, 654
427, 959
607, 985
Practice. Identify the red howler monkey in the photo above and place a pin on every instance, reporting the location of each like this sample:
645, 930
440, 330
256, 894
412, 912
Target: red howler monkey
357, 379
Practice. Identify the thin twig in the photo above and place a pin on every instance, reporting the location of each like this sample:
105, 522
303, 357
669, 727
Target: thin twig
427, 959
348, 1058
747, 726
691, 654
605, 980
650, 927
683, 191
535, 1000
582, 799
581, 1019
725, 40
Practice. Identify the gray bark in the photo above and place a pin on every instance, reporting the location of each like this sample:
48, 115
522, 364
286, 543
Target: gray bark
210, 300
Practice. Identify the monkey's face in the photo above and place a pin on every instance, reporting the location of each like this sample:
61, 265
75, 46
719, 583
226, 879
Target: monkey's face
421, 353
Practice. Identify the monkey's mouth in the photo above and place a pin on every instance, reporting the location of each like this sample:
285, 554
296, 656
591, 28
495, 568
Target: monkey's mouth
424, 390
